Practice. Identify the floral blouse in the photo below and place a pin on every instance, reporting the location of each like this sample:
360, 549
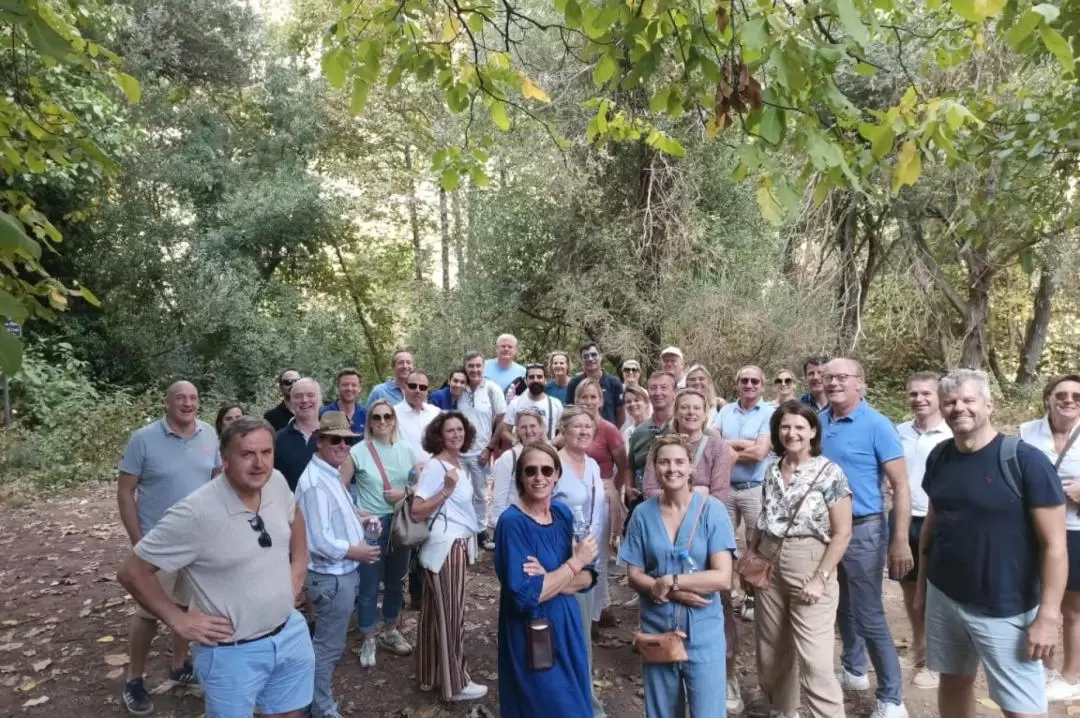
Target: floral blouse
779, 500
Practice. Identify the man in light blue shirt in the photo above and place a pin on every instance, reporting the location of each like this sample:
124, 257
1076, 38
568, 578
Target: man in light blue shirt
866, 446
393, 389
503, 370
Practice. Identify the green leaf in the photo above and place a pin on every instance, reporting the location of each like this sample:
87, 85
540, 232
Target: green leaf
573, 14
11, 353
852, 21
865, 70
89, 296
1048, 11
1027, 260
12, 308
770, 208
1022, 29
1056, 44
14, 240
966, 10
605, 69
457, 98
908, 166
772, 124
450, 179
499, 116
334, 66
45, 39
754, 34
130, 86
360, 90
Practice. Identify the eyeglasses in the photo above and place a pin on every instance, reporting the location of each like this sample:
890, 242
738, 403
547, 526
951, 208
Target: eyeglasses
1065, 396
783, 380
256, 524
839, 378
631, 371
382, 417
338, 440
752, 380
414, 386
547, 470
590, 355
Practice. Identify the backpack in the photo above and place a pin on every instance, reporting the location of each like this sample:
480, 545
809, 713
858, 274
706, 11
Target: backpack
1008, 463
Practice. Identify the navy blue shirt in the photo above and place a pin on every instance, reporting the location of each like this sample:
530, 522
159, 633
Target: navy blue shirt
613, 394
359, 417
292, 452
983, 551
443, 399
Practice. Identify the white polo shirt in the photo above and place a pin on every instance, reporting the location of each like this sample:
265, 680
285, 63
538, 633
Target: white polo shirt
411, 424
917, 447
480, 406
1038, 434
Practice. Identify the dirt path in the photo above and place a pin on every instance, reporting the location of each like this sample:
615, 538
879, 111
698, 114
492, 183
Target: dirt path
63, 626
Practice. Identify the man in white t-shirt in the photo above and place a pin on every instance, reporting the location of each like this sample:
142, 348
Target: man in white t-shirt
550, 408
484, 405
415, 413
918, 437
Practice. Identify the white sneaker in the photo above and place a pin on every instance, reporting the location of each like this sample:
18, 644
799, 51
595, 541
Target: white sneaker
632, 602
926, 678
889, 710
1058, 689
367, 653
734, 698
852, 682
472, 692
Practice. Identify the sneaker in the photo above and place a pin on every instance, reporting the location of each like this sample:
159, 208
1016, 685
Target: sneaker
367, 653
889, 710
928, 679
748, 609
734, 698
632, 602
184, 674
394, 642
852, 682
1058, 689
471, 692
136, 699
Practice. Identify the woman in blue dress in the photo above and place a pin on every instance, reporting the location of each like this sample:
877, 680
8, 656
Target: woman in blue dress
679, 580
540, 569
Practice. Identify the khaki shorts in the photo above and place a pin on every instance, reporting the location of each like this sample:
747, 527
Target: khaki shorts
176, 587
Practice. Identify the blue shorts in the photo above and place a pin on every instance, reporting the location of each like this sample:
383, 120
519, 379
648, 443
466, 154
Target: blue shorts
276, 673
958, 639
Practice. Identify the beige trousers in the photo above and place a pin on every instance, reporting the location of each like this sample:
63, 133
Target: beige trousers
795, 639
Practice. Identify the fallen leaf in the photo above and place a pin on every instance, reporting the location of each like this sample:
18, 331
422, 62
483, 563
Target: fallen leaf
35, 701
114, 674
10, 622
42, 665
988, 703
10, 646
28, 686
106, 639
117, 659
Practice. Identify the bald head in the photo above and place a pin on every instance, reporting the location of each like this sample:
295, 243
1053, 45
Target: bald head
182, 405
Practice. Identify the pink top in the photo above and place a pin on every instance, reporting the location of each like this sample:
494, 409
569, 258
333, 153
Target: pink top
607, 441
714, 469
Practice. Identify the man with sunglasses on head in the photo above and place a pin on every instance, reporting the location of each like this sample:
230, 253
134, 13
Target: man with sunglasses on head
744, 425
280, 415
415, 413
592, 367
242, 547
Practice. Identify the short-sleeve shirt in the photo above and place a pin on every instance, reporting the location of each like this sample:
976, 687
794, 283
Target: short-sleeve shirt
607, 442
584, 494
292, 452
503, 377
826, 484
559, 392
397, 459
279, 416
610, 387
208, 538
388, 391
640, 443
917, 446
649, 548
984, 552
411, 424
1038, 434
550, 409
480, 406
168, 466
861, 443
358, 420
458, 507
735, 423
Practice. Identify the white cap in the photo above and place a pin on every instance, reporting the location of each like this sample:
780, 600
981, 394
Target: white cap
672, 350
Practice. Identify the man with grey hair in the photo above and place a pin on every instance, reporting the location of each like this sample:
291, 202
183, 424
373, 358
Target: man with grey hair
242, 546
503, 370
162, 463
295, 444
995, 561
864, 443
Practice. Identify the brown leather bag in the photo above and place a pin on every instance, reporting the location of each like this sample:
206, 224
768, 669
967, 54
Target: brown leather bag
539, 647
755, 567
670, 646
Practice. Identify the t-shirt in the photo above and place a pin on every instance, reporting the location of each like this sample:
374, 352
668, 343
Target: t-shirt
917, 447
611, 388
458, 507
412, 423
735, 423
551, 420
279, 416
605, 444
640, 443
559, 392
503, 377
397, 459
861, 443
168, 466
1038, 434
292, 452
983, 551
480, 406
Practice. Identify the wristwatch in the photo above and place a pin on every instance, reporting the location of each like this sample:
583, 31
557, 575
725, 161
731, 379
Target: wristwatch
824, 575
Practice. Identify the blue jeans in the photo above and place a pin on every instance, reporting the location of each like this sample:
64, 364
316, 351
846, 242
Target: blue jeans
333, 599
672, 688
861, 615
391, 569
479, 476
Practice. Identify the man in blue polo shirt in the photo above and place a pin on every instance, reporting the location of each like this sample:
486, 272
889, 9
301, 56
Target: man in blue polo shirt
592, 367
349, 382
864, 443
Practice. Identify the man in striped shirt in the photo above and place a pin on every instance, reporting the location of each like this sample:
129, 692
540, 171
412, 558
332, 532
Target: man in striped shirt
336, 548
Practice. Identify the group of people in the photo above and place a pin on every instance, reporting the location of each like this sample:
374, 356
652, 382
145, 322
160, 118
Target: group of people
240, 528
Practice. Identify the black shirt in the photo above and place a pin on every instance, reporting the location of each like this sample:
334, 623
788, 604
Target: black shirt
292, 452
279, 416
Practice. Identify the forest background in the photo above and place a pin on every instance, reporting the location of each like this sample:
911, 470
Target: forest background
216, 190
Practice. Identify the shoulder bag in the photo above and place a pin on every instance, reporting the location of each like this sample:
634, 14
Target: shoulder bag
405, 531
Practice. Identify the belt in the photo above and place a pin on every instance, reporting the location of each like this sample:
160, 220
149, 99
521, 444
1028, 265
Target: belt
743, 485
865, 519
252, 640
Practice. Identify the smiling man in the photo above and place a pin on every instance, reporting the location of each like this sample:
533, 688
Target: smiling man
349, 385
295, 444
813, 369
503, 369
592, 367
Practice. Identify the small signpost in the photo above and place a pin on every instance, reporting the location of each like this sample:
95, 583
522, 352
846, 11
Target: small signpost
16, 331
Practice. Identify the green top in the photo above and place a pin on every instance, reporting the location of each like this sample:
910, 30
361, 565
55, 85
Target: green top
397, 459
640, 443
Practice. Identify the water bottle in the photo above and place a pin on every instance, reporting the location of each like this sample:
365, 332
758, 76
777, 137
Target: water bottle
372, 530
688, 562
581, 524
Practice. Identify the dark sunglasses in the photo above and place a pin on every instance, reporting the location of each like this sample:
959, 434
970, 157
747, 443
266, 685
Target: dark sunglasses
256, 524
753, 381
414, 386
288, 382
382, 417
631, 371
339, 440
1065, 396
787, 380
547, 470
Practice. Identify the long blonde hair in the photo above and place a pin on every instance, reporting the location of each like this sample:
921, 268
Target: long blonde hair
368, 436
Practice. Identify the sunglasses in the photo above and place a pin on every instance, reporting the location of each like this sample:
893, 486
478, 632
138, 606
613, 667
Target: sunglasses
288, 382
256, 524
590, 355
547, 470
1065, 396
787, 380
382, 417
338, 440
753, 381
414, 386
631, 371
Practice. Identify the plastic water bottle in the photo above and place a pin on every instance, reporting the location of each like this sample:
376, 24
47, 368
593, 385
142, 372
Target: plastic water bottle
581, 524
688, 562
372, 530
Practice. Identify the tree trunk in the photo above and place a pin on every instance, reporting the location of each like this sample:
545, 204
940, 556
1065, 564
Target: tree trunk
459, 239
376, 351
414, 219
444, 231
650, 270
979, 276
846, 218
470, 235
1036, 332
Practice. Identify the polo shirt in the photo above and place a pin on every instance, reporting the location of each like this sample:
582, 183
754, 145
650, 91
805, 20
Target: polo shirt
1038, 434
397, 458
503, 377
550, 409
329, 518
917, 446
640, 443
612, 389
168, 466
861, 444
480, 406
388, 390
984, 553
735, 423
279, 416
411, 424
359, 417
292, 452
208, 538
808, 399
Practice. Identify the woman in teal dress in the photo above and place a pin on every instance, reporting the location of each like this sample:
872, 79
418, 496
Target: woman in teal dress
540, 569
679, 580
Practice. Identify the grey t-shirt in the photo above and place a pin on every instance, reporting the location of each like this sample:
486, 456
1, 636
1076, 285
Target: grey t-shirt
168, 466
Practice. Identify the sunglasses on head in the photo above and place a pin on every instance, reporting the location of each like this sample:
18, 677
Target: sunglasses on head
590, 355
382, 417
256, 524
783, 380
547, 470
414, 386
752, 380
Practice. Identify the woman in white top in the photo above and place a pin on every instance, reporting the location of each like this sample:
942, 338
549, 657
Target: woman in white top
638, 410
1057, 435
528, 428
581, 488
445, 492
